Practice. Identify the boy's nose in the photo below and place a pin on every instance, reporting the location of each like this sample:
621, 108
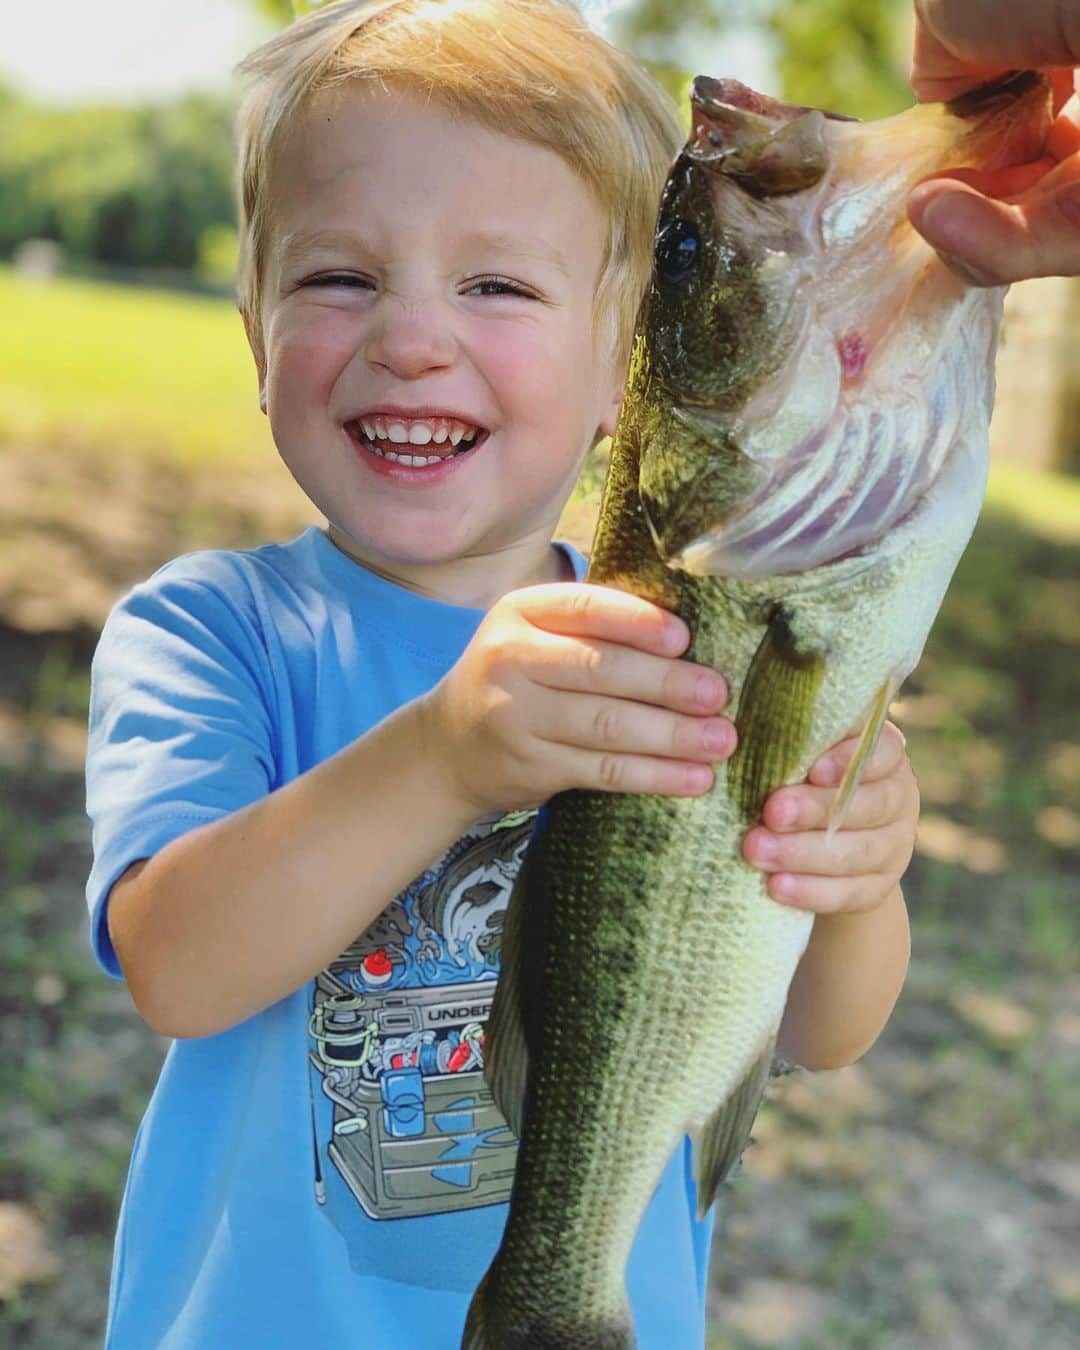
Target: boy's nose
409, 339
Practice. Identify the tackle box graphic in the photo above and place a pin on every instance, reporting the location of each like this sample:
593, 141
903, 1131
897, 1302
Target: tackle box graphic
415, 1130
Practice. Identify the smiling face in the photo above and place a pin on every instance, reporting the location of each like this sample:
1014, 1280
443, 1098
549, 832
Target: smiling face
429, 297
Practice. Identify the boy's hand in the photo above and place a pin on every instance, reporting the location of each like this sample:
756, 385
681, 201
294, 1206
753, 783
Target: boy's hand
866, 858
576, 686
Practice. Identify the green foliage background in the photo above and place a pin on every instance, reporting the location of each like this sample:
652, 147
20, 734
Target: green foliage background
134, 186
151, 187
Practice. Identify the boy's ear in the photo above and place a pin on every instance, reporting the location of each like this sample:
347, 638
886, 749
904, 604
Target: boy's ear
258, 352
611, 416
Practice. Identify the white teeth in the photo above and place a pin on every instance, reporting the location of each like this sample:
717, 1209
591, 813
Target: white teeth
439, 430
412, 461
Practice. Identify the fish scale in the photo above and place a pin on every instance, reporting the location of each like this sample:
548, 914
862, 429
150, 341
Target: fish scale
645, 969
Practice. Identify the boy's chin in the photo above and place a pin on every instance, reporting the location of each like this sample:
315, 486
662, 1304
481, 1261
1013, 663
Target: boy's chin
427, 550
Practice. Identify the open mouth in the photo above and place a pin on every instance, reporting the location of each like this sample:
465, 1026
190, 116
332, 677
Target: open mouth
416, 444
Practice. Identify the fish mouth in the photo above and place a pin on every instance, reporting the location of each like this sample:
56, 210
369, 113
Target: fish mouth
771, 149
719, 99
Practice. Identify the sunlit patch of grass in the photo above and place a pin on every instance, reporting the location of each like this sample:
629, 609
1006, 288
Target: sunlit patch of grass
154, 372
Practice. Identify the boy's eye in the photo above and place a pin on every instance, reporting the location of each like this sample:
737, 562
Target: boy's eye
500, 286
337, 279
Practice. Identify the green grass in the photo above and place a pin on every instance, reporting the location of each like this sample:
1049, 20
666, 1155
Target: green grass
89, 364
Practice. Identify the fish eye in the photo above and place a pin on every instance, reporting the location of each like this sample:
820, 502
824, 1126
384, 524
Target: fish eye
677, 249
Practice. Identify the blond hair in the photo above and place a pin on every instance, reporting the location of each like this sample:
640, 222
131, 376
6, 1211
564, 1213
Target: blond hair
531, 69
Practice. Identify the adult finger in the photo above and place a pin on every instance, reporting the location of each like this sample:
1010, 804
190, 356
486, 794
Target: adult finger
993, 243
997, 34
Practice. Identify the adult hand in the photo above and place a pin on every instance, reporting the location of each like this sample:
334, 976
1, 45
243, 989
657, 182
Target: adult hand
994, 228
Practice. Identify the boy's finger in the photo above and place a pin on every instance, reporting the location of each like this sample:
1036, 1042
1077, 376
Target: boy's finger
849, 853
589, 666
830, 895
806, 807
888, 754
582, 610
617, 726
640, 774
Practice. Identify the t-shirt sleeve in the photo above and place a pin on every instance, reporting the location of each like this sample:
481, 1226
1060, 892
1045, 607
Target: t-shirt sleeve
181, 725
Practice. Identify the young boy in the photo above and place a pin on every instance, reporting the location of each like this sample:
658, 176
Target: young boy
312, 766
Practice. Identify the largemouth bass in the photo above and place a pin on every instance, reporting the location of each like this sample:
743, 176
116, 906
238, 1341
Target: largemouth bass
798, 465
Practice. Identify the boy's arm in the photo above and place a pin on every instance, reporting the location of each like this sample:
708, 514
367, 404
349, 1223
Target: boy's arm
562, 686
238, 913
846, 985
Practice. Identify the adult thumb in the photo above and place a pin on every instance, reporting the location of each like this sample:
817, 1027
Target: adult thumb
988, 242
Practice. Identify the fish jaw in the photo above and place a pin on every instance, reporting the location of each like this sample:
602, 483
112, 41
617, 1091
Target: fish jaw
835, 423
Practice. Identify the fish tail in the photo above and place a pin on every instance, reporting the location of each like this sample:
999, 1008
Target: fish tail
490, 1325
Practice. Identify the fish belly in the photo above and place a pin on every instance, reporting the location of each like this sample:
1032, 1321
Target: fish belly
666, 973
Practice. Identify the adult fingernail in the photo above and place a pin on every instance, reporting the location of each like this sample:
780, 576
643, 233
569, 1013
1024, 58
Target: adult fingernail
939, 218
967, 272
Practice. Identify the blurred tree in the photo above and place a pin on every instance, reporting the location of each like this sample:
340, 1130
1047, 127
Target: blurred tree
116, 184
846, 55
849, 56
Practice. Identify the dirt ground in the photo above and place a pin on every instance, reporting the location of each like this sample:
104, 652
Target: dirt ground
925, 1197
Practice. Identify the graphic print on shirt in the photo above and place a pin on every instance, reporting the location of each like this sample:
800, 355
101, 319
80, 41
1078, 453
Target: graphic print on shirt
398, 1029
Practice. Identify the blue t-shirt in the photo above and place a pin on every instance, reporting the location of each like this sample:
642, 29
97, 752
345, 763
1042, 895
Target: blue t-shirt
331, 1172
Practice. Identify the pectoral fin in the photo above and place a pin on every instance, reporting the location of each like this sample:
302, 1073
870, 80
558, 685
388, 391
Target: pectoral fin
776, 710
867, 741
513, 1024
721, 1140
